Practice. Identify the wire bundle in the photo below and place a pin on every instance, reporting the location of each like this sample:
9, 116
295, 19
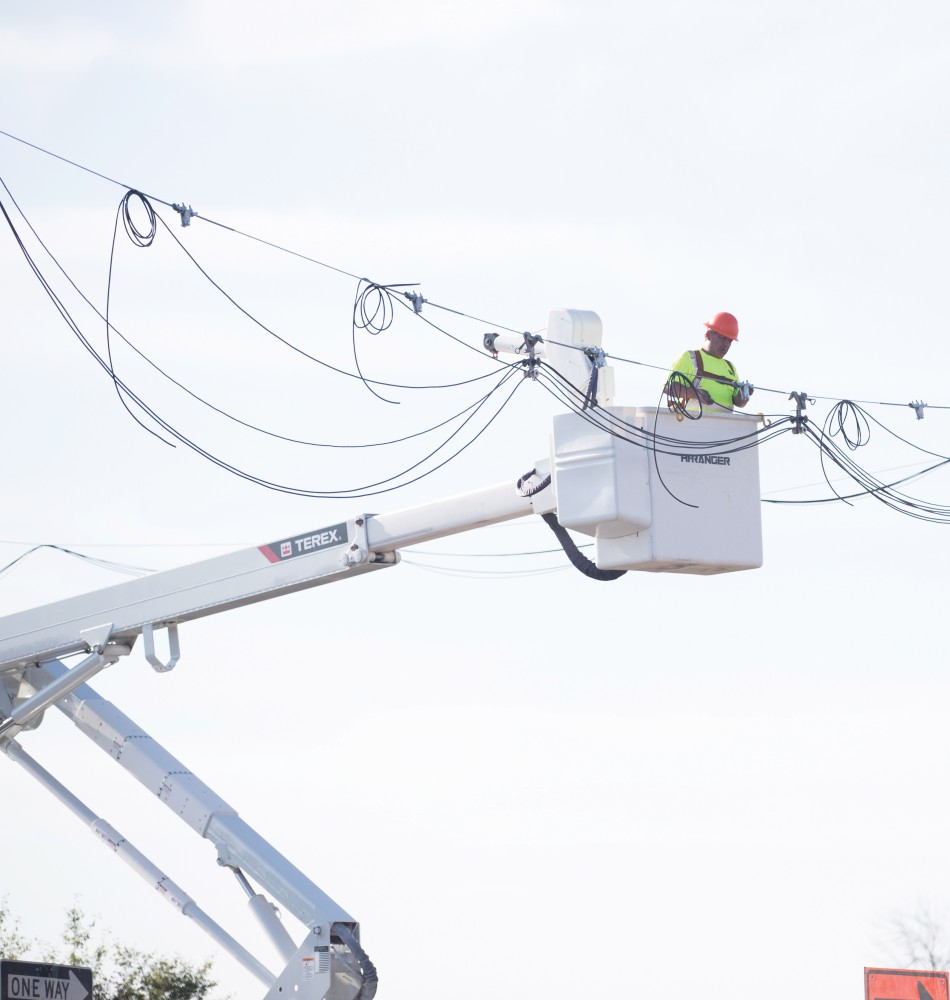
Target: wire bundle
374, 313
460, 429
852, 424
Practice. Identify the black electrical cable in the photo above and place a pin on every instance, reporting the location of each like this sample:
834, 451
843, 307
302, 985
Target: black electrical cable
222, 412
677, 398
354, 492
140, 239
452, 336
853, 404
830, 452
73, 163
456, 312
145, 239
828, 449
304, 442
863, 493
358, 490
232, 229
372, 312
373, 307
350, 274
784, 392
204, 452
842, 415
677, 405
612, 424
290, 344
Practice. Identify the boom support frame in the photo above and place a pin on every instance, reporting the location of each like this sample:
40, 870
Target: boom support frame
105, 625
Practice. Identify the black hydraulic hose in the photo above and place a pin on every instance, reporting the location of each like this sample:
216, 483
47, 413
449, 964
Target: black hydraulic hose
367, 969
578, 559
530, 491
590, 395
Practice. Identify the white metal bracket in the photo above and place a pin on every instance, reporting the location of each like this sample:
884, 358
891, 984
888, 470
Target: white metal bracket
174, 650
307, 975
96, 637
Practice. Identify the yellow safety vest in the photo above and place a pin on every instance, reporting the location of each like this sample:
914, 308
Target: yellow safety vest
696, 365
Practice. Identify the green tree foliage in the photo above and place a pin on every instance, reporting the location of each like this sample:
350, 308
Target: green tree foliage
12, 943
119, 971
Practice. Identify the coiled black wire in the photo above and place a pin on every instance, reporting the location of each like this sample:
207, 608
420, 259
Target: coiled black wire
676, 397
372, 312
401, 479
221, 411
847, 414
140, 239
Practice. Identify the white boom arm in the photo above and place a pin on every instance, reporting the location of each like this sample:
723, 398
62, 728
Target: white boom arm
604, 482
105, 624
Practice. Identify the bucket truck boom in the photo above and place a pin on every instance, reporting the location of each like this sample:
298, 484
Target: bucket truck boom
601, 478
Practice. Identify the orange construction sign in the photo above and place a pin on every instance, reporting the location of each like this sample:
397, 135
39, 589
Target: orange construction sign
905, 984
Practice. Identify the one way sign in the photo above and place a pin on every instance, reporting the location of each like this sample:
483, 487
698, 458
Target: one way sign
905, 984
42, 981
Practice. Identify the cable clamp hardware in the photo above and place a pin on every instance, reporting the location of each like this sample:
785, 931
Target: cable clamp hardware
918, 408
488, 342
186, 212
531, 340
799, 420
596, 356
744, 391
417, 301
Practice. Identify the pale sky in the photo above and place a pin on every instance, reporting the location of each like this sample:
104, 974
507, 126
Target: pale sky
521, 783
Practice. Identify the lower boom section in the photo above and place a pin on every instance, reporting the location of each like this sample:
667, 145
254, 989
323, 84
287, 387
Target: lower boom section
330, 964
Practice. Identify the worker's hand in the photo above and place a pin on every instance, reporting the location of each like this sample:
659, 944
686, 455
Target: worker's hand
743, 393
704, 397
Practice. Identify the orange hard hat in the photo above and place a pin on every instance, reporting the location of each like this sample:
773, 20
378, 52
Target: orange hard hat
724, 324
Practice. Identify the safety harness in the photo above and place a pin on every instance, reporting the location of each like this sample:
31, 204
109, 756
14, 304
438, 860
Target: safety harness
697, 358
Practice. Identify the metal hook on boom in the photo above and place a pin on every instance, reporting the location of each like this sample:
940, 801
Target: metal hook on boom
174, 650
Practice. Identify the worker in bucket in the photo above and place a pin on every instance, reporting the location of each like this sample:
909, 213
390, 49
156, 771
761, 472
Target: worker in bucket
705, 375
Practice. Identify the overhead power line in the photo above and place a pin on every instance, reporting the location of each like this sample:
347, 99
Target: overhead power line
187, 214
110, 564
373, 313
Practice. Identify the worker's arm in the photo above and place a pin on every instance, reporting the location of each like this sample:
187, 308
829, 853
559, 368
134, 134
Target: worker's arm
680, 383
683, 389
742, 394
684, 392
